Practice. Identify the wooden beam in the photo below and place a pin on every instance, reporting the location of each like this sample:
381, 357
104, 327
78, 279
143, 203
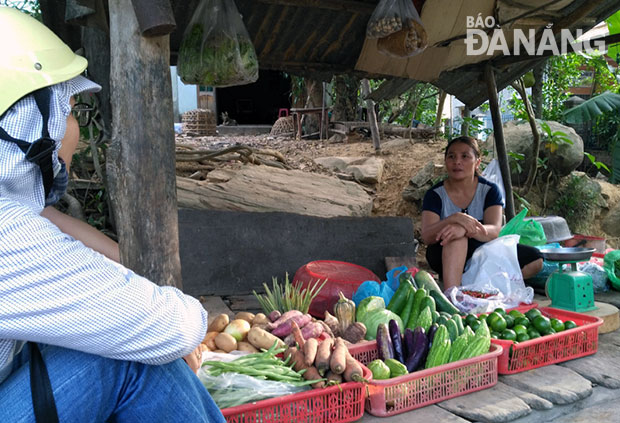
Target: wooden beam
340, 5
498, 136
141, 156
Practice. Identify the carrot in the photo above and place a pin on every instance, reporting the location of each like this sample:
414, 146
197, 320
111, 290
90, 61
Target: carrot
312, 373
353, 372
333, 378
323, 354
337, 362
309, 349
299, 338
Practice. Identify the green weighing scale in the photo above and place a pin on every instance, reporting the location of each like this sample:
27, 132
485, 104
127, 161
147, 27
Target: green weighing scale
569, 289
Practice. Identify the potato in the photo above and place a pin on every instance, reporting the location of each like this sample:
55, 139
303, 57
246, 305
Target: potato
260, 319
225, 342
244, 315
246, 346
209, 340
260, 338
219, 323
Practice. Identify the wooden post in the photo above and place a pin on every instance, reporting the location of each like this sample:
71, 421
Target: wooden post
498, 135
372, 116
465, 124
155, 17
141, 165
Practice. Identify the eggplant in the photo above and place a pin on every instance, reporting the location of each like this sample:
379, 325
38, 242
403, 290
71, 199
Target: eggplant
384, 343
408, 343
418, 357
397, 340
431, 334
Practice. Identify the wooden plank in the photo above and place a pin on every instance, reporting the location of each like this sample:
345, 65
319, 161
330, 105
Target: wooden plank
345, 5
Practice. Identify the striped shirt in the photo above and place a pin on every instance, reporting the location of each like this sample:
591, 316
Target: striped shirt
55, 290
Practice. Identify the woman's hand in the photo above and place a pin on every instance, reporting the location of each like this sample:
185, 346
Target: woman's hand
450, 232
194, 359
472, 226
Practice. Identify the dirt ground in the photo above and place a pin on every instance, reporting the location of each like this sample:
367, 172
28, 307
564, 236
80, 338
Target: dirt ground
401, 162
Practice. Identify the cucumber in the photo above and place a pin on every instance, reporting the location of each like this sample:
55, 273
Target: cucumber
443, 303
459, 323
429, 302
424, 280
452, 329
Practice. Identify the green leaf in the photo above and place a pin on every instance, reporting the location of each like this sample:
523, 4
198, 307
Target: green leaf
590, 109
613, 24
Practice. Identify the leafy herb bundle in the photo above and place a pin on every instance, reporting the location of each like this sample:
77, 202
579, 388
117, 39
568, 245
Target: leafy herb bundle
288, 296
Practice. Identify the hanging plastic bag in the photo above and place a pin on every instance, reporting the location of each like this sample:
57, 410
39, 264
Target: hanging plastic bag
393, 277
398, 27
492, 270
493, 173
530, 231
216, 49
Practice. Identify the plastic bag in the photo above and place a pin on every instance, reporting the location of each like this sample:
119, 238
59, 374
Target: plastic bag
493, 173
599, 277
612, 267
493, 269
393, 277
398, 27
375, 289
530, 231
216, 49
231, 389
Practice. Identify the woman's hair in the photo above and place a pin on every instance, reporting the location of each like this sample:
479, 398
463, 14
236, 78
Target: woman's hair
470, 141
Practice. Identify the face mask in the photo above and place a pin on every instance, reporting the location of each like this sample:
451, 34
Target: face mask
59, 186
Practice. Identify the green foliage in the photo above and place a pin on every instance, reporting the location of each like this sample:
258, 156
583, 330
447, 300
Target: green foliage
576, 202
31, 7
517, 107
597, 164
515, 160
561, 73
476, 127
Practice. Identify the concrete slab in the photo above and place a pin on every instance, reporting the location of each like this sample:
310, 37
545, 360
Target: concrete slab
215, 306
602, 368
557, 384
430, 413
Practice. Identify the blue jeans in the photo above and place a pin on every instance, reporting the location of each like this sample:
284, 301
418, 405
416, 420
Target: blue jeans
89, 388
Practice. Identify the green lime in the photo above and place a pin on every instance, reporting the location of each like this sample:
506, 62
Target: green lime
500, 310
508, 334
474, 325
569, 324
510, 321
519, 329
533, 333
492, 316
483, 316
521, 337
516, 314
557, 325
494, 335
533, 313
542, 324
523, 321
498, 324
470, 318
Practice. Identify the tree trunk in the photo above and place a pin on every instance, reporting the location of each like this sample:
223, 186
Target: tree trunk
141, 165
372, 116
531, 176
440, 102
345, 101
537, 94
465, 124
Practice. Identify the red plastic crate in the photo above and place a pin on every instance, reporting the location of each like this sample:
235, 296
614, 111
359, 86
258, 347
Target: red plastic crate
550, 349
334, 404
424, 387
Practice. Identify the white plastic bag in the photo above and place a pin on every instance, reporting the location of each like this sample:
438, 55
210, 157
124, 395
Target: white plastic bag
493, 269
494, 174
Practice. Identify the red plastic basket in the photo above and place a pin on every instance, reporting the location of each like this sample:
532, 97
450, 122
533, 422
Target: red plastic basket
418, 389
550, 349
335, 404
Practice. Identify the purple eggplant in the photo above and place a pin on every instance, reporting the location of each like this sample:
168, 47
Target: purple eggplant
420, 344
384, 343
431, 334
397, 340
408, 343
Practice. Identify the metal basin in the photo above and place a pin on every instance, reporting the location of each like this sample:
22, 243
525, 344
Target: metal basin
555, 227
567, 254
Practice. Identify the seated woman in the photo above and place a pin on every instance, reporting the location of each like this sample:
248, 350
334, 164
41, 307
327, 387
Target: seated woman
463, 212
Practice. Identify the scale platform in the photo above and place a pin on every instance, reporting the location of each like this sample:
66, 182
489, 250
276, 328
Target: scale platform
569, 289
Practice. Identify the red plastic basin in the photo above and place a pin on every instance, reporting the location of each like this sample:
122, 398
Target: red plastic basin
340, 275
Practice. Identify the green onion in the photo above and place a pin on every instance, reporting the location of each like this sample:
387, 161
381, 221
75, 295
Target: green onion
289, 296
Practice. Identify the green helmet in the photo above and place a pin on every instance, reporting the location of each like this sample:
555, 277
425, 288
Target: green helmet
33, 57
